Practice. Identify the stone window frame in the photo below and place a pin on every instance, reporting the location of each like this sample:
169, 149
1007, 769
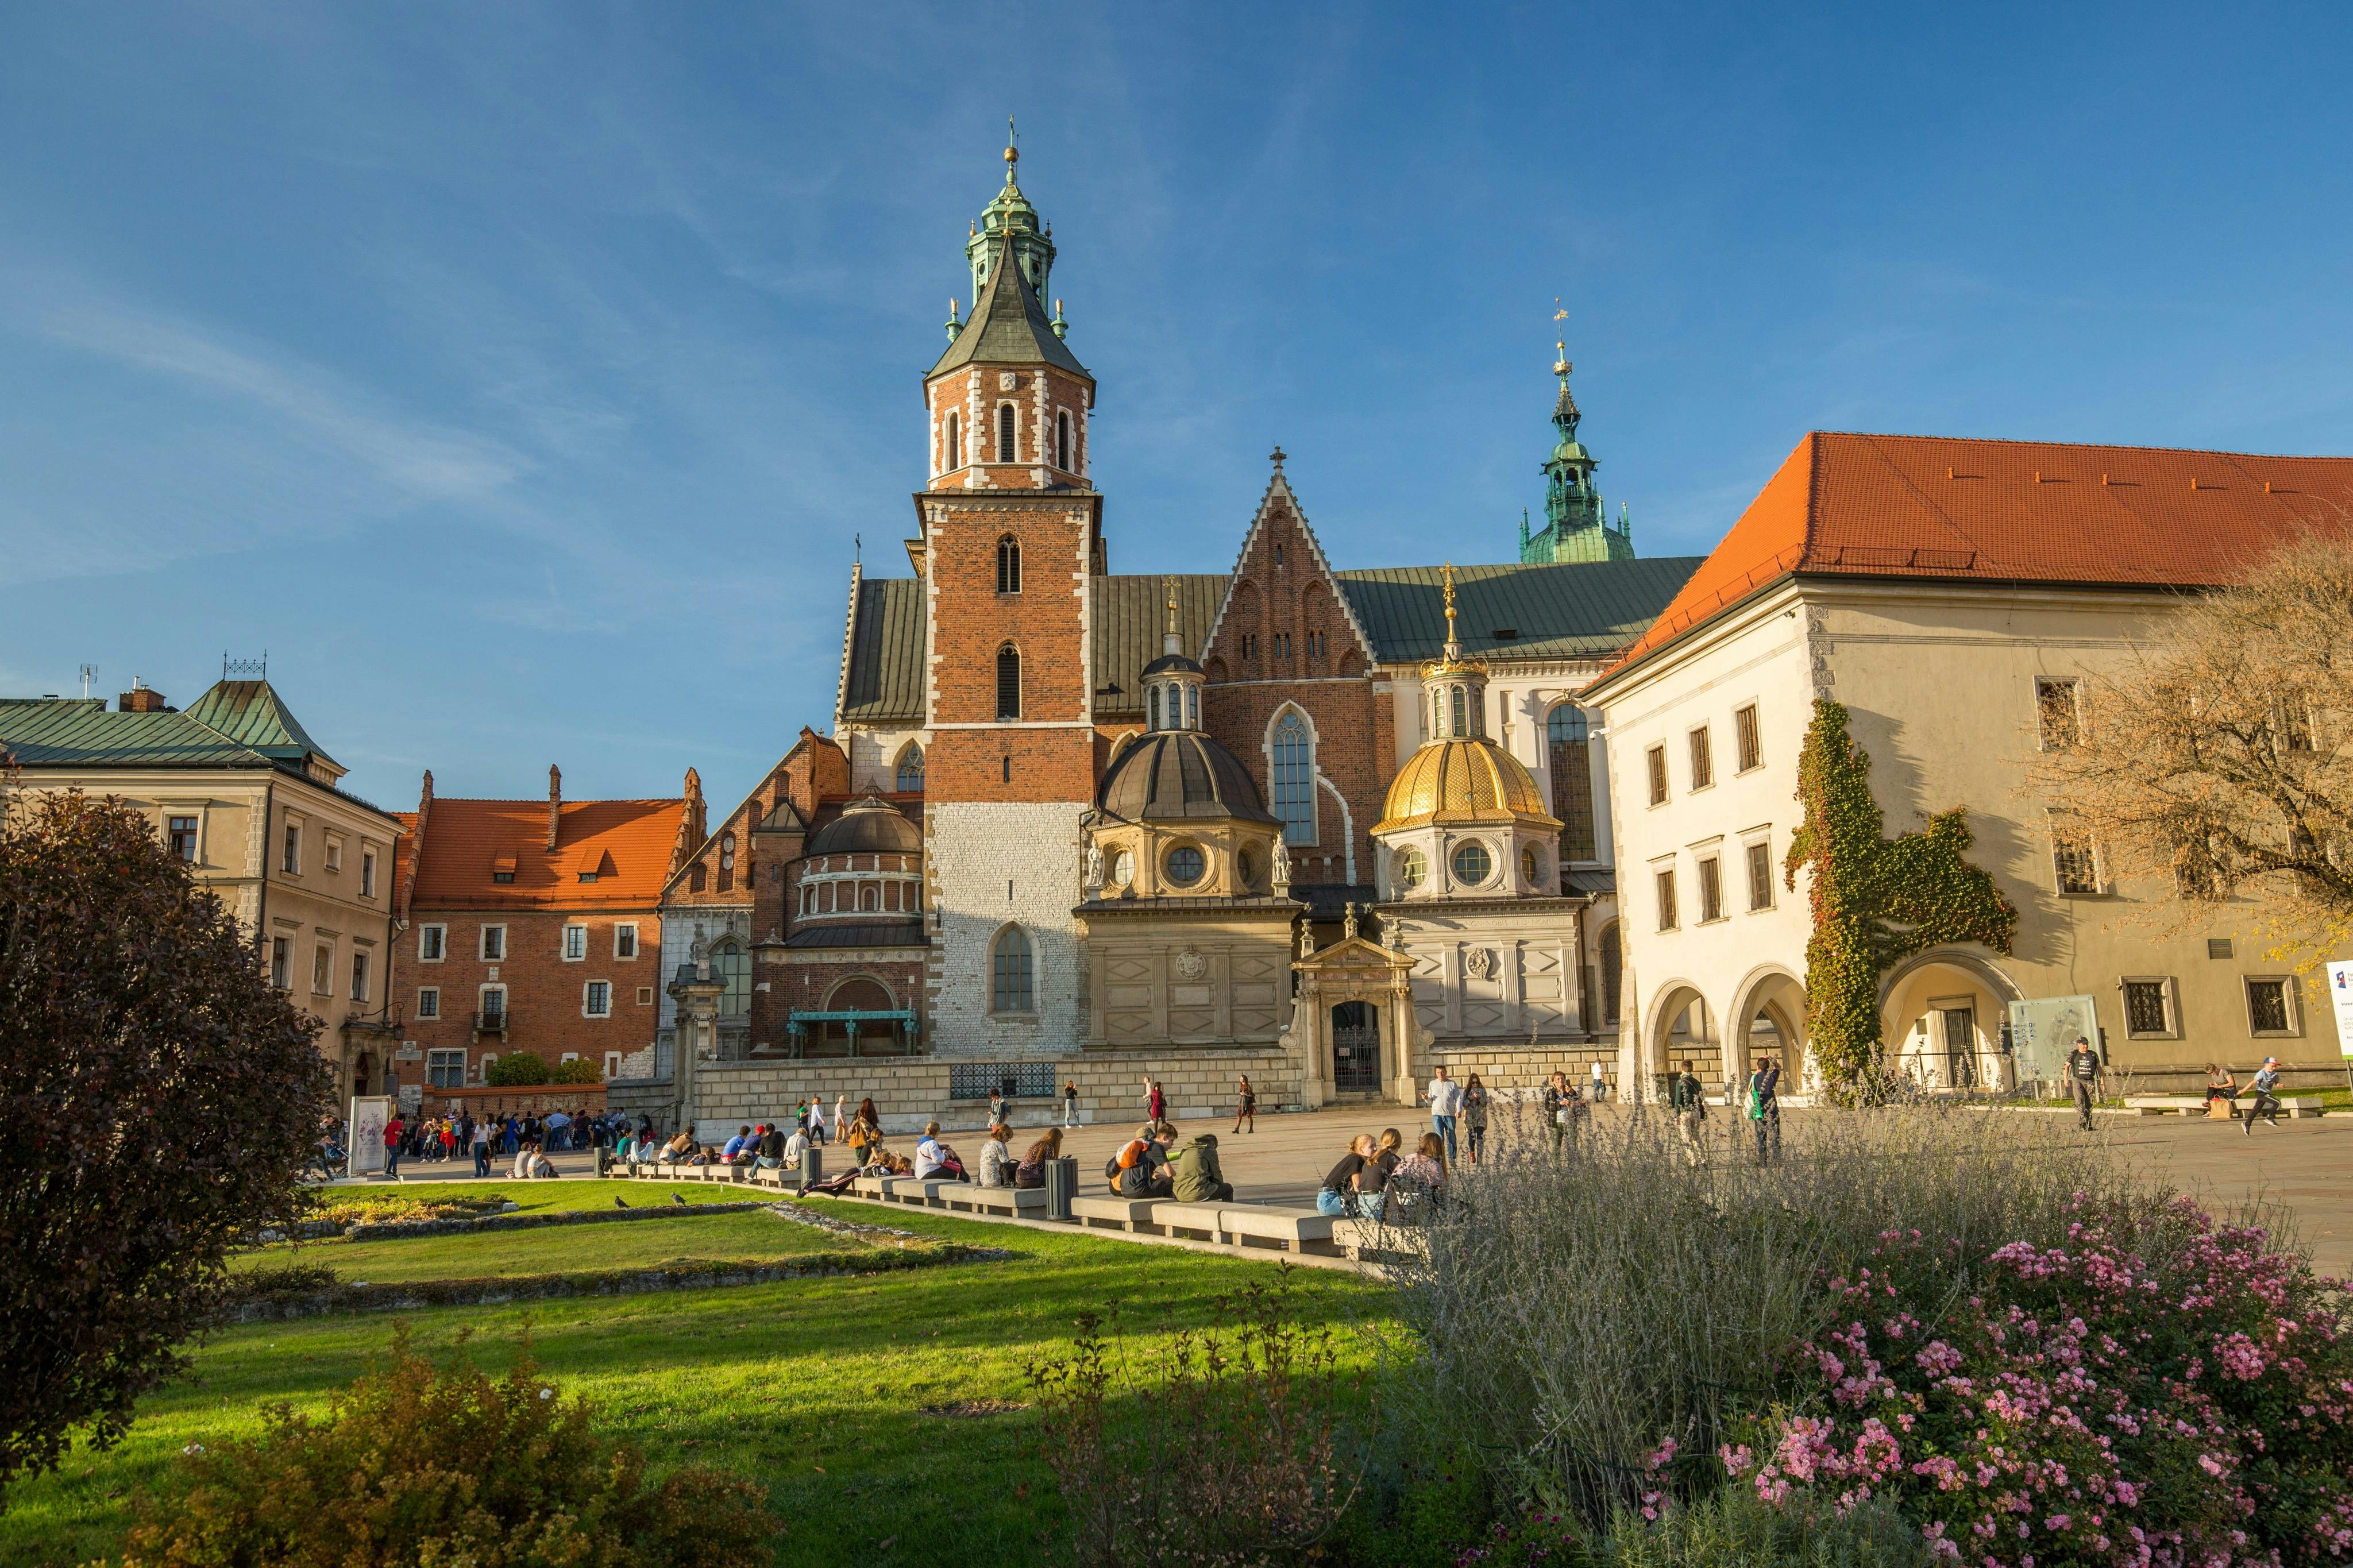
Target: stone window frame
566, 944
1754, 839
482, 953
2169, 1002
1747, 739
429, 1002
1008, 431
2292, 1006
1315, 836
588, 998
630, 929
438, 932
1013, 648
1030, 977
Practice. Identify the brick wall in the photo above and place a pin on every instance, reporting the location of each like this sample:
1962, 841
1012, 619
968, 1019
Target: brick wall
972, 394
544, 990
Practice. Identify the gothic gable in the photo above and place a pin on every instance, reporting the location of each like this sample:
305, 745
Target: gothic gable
1284, 616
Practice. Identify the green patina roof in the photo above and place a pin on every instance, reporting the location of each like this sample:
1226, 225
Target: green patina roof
79, 731
1130, 618
1009, 326
251, 713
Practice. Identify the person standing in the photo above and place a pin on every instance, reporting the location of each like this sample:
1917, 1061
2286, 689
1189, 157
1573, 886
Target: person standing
1070, 1102
1155, 1102
2083, 1078
1474, 1117
480, 1142
816, 1119
995, 1107
1559, 1104
2265, 1103
1245, 1104
1445, 1104
395, 1136
1690, 1108
840, 1116
1765, 1109
1601, 1089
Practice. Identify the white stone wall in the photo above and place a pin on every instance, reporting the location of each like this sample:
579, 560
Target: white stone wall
874, 754
990, 864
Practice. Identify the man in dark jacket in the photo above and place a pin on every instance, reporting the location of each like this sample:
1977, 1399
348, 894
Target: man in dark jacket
2084, 1078
1197, 1178
1143, 1164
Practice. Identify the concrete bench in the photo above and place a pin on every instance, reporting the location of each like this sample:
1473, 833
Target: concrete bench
1364, 1238
2195, 1104
1299, 1230
1028, 1201
1207, 1221
1116, 1213
868, 1186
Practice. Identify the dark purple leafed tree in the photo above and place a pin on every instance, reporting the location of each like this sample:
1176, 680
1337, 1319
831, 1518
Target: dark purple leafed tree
157, 1098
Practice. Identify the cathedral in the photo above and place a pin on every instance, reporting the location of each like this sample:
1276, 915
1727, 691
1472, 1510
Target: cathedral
1330, 827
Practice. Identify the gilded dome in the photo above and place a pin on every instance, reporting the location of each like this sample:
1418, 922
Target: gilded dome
1171, 775
1464, 782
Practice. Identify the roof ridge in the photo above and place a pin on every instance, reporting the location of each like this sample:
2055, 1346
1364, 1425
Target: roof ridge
2072, 446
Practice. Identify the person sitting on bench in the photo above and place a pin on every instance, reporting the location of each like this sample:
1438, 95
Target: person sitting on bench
1353, 1185
1197, 1178
996, 1158
2220, 1086
934, 1161
1032, 1171
1140, 1169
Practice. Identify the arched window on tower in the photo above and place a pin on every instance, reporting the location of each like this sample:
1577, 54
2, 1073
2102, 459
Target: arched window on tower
731, 965
1009, 977
1009, 682
1154, 722
1062, 442
1294, 778
1570, 761
1005, 450
1192, 707
1457, 705
910, 779
954, 442
1009, 566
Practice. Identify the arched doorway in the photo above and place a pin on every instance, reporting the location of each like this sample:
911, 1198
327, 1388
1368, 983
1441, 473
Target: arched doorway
1683, 1034
1941, 1018
1769, 1014
1356, 1048
860, 994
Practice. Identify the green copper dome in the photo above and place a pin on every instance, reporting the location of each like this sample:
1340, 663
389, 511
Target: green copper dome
1576, 527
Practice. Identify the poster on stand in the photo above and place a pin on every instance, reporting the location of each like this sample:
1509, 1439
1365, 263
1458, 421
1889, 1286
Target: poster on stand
370, 1115
2043, 1032
2340, 999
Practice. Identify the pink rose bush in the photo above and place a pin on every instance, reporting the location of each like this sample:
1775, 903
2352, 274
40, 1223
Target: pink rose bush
2153, 1391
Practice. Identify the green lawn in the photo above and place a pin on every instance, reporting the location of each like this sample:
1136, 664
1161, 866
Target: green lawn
815, 1388
558, 1250
545, 1197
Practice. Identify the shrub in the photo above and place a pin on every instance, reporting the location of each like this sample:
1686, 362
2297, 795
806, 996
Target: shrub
1590, 1306
515, 1069
129, 1000
579, 1069
414, 1465
1228, 1450
2151, 1389
1724, 1528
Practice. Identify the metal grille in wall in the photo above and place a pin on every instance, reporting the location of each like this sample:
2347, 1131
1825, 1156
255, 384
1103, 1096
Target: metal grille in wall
1015, 1080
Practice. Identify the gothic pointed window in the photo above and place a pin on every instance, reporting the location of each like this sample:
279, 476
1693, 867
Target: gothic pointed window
1009, 682
954, 442
1005, 450
910, 779
732, 967
1009, 566
1572, 766
1010, 974
1062, 442
1294, 778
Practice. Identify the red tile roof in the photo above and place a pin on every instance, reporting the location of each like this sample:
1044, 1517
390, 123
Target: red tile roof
627, 843
2007, 511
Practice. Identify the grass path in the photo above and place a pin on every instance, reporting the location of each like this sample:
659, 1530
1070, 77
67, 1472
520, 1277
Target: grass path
815, 1388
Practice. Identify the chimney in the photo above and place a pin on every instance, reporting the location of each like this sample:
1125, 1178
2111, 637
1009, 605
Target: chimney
140, 699
554, 802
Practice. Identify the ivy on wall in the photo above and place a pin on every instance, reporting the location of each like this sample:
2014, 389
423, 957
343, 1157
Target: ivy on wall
1877, 900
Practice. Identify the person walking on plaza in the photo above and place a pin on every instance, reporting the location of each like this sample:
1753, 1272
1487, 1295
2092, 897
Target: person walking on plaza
1445, 1099
816, 1119
1070, 1102
1765, 1109
2265, 1103
394, 1134
996, 1105
2083, 1078
1601, 1089
1474, 1117
1155, 1102
1690, 1106
1560, 1108
482, 1144
1245, 1104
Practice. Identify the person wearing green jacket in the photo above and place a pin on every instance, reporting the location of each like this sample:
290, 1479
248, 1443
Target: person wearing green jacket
1199, 1180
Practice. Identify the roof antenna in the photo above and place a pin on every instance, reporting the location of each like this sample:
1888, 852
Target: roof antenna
88, 674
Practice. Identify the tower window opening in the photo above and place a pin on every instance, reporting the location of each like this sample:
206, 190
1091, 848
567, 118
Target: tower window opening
1192, 706
1062, 442
1005, 450
1009, 566
1155, 709
954, 442
1008, 685
1458, 716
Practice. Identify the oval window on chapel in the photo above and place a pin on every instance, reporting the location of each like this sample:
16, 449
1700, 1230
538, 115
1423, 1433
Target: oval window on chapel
1123, 869
1186, 865
1471, 864
1407, 869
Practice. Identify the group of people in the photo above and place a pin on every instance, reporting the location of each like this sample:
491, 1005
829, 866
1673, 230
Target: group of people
1758, 1103
527, 1138
2262, 1096
1378, 1180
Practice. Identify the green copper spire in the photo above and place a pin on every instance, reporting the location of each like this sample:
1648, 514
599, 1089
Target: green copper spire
1576, 528
1011, 220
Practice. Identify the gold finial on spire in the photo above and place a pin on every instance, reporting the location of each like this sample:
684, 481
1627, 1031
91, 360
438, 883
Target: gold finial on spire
1453, 649
1451, 662
1170, 585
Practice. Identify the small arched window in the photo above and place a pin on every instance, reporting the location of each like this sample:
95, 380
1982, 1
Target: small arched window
1009, 566
870, 895
1008, 683
1570, 763
1009, 977
1154, 722
1005, 451
955, 441
1461, 724
1192, 707
910, 778
1062, 442
1294, 778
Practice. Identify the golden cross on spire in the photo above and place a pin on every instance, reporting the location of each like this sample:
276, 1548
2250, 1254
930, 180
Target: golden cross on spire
1170, 583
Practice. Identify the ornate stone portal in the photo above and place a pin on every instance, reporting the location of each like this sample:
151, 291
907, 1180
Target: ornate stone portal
1356, 972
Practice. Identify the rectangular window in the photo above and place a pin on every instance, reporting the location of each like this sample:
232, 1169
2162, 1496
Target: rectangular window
323, 970
1657, 756
2057, 718
2075, 860
645, 995
1702, 759
1760, 876
494, 943
2149, 1009
429, 1002
281, 959
292, 860
2220, 947
625, 940
1666, 883
612, 1064
182, 837
432, 944
1711, 891
575, 943
597, 999
494, 1007
2271, 1007
446, 1070
367, 873
1746, 738
335, 856
359, 977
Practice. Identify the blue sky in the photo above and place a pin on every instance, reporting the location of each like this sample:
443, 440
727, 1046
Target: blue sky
519, 375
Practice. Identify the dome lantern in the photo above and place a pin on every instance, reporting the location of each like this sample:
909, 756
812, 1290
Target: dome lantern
1172, 683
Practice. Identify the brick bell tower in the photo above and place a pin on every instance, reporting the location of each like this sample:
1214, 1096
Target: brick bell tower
1011, 536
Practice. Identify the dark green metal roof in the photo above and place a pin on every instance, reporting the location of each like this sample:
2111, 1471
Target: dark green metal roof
251, 713
1131, 617
1009, 326
885, 682
79, 733
1574, 610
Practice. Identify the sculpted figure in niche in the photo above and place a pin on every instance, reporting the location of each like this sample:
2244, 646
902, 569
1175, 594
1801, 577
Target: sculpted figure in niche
1094, 866
1281, 865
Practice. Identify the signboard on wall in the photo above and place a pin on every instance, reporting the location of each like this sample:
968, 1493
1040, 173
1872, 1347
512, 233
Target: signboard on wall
2340, 999
370, 1114
2042, 1031
412, 1098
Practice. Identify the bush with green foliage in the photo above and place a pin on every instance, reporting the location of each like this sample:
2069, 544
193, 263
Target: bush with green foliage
161, 1101
516, 1070
1725, 1528
579, 1069
416, 1465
